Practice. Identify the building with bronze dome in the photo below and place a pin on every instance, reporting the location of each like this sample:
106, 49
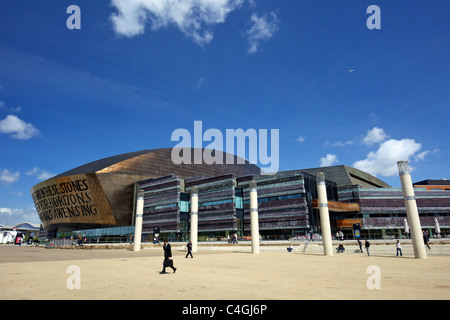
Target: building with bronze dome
99, 198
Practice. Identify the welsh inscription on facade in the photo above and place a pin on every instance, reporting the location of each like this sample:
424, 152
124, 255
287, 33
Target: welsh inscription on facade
71, 199
64, 200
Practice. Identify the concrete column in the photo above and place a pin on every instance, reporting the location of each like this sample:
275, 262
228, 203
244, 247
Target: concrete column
324, 215
194, 218
411, 211
254, 216
138, 221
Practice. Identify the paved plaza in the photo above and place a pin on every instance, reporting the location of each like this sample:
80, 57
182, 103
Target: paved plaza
39, 273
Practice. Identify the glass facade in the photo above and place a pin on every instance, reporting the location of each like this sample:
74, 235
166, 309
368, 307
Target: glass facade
285, 209
184, 202
239, 198
101, 235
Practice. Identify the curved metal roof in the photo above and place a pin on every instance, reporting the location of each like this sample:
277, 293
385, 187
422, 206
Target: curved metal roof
158, 162
344, 175
98, 165
22, 226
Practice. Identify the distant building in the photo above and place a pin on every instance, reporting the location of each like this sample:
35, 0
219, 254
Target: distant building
102, 193
430, 184
344, 175
98, 200
8, 233
382, 210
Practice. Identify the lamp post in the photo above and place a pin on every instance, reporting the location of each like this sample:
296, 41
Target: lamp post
138, 221
411, 210
194, 218
324, 215
254, 216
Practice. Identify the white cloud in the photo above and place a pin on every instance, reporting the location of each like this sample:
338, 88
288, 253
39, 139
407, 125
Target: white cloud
16, 109
44, 175
342, 144
436, 151
384, 160
13, 216
300, 139
375, 135
200, 82
374, 118
195, 18
328, 160
421, 156
13, 109
32, 171
7, 177
18, 128
40, 174
262, 28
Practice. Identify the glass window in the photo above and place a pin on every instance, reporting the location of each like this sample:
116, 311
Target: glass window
210, 203
184, 202
239, 199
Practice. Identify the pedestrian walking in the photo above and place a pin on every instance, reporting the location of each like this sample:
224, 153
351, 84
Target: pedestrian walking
19, 239
189, 248
399, 248
366, 247
360, 245
168, 262
425, 238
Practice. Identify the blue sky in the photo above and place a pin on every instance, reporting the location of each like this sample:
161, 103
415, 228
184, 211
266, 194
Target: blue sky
337, 91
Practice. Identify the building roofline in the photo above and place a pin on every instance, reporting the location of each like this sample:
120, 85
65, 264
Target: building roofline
100, 164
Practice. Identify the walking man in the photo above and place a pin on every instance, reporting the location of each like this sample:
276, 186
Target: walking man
360, 246
425, 238
366, 246
168, 262
189, 248
399, 248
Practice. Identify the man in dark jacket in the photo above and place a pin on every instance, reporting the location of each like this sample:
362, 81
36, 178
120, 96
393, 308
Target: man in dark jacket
189, 248
168, 262
366, 246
